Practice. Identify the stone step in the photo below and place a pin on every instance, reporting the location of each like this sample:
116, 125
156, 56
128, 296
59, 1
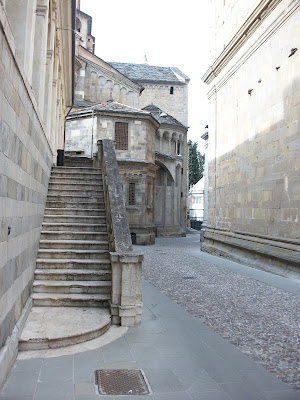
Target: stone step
76, 219
72, 275
91, 198
47, 286
52, 327
73, 254
76, 169
73, 235
78, 163
71, 185
74, 244
77, 160
75, 211
75, 192
63, 263
72, 227
75, 178
79, 205
70, 300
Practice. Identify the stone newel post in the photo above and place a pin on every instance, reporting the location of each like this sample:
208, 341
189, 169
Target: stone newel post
126, 294
126, 305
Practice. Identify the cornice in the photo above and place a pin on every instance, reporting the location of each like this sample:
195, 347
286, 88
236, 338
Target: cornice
247, 29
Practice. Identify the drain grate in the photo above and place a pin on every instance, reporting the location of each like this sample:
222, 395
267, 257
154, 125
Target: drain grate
121, 382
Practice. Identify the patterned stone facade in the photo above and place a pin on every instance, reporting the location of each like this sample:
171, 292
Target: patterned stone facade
254, 139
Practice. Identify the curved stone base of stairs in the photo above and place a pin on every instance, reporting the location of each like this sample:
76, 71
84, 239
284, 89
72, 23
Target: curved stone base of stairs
54, 327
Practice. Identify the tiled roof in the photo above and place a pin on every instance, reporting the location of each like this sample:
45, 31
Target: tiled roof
83, 103
150, 73
162, 117
109, 106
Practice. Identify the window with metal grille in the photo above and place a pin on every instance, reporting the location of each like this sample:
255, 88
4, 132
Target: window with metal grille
131, 194
121, 135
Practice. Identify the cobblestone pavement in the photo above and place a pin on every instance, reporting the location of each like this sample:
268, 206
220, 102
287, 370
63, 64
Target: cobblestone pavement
261, 320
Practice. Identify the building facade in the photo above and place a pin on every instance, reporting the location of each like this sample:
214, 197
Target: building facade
36, 91
144, 109
196, 201
254, 139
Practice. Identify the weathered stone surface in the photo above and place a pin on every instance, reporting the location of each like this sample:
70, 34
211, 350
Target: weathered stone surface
27, 143
253, 138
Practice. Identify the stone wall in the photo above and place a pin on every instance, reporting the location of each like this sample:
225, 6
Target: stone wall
137, 164
227, 17
98, 82
27, 150
175, 104
254, 144
25, 161
141, 134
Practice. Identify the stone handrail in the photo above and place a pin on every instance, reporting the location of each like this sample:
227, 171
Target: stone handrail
126, 297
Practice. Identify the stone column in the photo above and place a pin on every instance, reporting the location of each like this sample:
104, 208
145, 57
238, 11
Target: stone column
40, 53
21, 15
176, 138
126, 301
49, 75
169, 145
160, 136
205, 213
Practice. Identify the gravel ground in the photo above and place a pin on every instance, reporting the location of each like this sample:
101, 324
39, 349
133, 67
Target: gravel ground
261, 320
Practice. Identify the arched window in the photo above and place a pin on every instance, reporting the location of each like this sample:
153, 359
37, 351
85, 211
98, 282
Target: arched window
178, 148
78, 24
172, 90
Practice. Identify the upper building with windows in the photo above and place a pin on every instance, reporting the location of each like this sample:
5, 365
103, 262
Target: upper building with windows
143, 108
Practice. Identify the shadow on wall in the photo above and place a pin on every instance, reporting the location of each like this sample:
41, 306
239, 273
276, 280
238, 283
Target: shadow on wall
254, 187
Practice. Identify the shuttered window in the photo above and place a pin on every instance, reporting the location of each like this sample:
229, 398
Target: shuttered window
121, 135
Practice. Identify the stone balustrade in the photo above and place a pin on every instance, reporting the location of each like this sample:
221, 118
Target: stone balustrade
126, 297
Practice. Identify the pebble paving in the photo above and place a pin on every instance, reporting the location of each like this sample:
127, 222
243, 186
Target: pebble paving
261, 320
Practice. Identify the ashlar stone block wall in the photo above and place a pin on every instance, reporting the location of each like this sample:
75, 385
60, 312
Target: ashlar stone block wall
25, 163
35, 89
254, 145
175, 104
227, 16
141, 135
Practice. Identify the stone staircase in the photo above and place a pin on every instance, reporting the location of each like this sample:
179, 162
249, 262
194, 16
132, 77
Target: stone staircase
73, 266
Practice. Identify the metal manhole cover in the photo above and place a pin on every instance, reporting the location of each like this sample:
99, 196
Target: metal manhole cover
121, 382
188, 277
